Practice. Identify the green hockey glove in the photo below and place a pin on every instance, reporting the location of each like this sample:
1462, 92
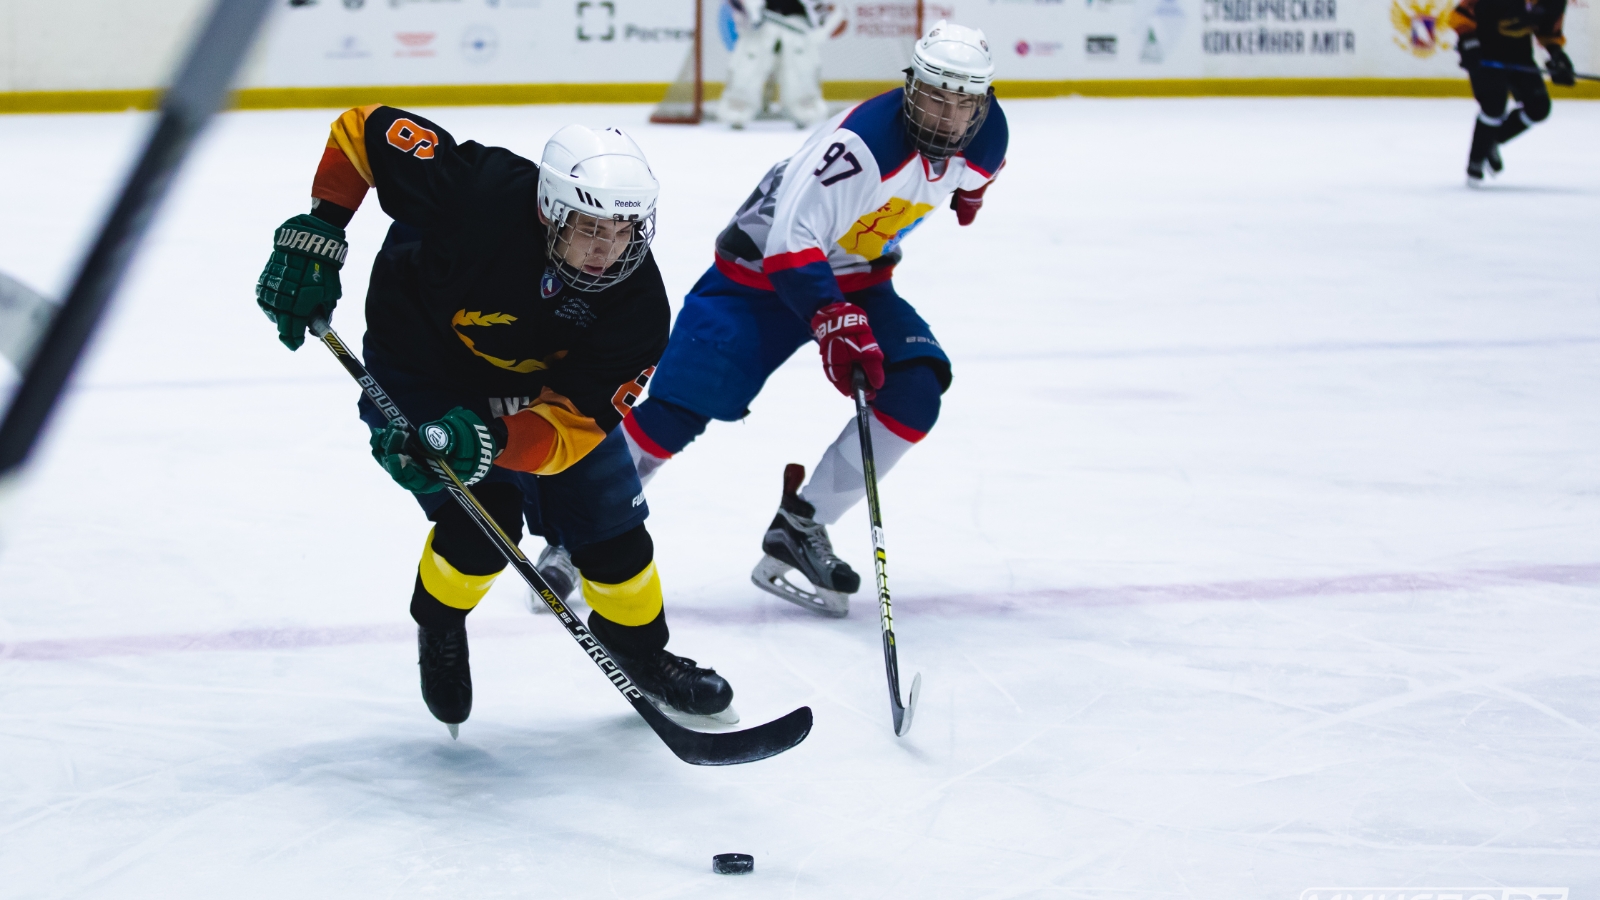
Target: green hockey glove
301, 280
459, 437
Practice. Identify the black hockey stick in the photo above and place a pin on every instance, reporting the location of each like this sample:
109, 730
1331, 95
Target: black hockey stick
694, 747
1532, 70
891, 660
196, 93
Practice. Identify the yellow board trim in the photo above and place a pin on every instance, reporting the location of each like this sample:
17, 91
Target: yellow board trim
448, 586
519, 94
634, 602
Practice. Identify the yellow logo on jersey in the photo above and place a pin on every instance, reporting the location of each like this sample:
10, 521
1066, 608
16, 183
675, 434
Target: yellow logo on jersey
878, 232
462, 317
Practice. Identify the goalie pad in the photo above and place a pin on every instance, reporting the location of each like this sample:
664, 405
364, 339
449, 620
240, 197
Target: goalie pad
799, 71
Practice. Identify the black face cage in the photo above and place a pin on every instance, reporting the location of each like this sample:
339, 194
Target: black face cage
558, 237
932, 141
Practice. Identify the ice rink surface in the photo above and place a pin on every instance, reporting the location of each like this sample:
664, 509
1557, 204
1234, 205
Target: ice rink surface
1256, 549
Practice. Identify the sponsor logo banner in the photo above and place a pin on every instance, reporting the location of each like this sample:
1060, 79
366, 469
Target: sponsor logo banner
378, 42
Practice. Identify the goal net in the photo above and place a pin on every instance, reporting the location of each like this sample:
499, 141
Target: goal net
685, 101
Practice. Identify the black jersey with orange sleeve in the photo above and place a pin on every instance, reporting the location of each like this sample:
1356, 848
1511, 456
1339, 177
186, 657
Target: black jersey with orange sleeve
462, 296
1506, 28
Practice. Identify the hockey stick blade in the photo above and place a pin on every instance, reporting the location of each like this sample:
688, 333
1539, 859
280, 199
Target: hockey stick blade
900, 712
699, 748
903, 714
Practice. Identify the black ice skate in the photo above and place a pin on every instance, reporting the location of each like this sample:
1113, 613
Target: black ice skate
1485, 153
1496, 164
446, 677
796, 541
555, 565
680, 689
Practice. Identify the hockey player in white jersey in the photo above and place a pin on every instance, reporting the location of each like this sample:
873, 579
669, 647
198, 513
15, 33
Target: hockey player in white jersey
810, 256
788, 34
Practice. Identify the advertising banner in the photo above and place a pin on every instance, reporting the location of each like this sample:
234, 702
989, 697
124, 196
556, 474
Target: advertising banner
442, 42
518, 51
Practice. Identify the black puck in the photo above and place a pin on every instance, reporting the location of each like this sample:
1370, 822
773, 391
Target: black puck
733, 863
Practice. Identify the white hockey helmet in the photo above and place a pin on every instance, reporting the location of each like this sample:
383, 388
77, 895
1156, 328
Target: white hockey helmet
587, 177
948, 89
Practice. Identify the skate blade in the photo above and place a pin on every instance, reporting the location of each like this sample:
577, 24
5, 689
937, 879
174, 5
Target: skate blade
769, 575
729, 716
534, 604
454, 731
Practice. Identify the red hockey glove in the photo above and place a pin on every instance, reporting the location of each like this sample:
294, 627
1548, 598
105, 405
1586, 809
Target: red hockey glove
967, 203
846, 339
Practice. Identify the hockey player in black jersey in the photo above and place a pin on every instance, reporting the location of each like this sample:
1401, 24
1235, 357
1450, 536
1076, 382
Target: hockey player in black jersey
516, 310
1495, 39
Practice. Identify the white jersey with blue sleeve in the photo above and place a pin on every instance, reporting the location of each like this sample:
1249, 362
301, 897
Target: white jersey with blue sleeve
830, 219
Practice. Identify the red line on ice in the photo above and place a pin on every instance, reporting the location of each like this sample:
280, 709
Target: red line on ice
952, 604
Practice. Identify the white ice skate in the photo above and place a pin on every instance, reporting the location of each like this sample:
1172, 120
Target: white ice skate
771, 576
555, 564
796, 542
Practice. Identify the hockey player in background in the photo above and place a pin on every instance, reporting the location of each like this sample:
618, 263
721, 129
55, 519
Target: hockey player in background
517, 311
1495, 39
809, 256
788, 33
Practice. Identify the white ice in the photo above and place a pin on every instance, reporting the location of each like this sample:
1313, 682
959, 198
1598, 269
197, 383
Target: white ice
1256, 549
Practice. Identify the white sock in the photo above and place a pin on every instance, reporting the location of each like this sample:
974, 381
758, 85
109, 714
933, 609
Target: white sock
838, 482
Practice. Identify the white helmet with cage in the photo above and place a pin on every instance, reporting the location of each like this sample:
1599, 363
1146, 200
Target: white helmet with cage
598, 198
948, 89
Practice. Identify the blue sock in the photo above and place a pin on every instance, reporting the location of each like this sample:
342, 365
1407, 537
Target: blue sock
669, 426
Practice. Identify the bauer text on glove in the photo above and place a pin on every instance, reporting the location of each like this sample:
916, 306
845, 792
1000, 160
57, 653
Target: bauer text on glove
846, 341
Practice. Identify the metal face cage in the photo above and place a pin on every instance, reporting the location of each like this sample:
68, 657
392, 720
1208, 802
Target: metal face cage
595, 241
933, 117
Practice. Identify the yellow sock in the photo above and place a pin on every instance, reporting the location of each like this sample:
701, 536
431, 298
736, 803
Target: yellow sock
634, 602
453, 588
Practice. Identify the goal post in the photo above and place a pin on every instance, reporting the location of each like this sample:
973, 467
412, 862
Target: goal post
685, 101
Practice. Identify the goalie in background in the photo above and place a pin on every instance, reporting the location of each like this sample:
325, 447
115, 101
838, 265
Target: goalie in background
788, 34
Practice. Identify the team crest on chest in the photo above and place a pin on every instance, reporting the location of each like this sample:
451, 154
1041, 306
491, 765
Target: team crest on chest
550, 284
